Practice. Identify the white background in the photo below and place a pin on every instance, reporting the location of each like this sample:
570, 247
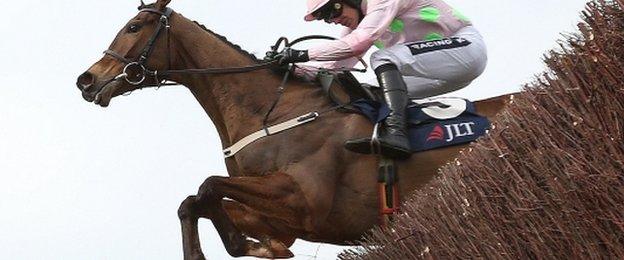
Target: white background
82, 182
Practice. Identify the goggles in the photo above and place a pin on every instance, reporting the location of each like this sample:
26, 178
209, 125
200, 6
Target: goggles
329, 12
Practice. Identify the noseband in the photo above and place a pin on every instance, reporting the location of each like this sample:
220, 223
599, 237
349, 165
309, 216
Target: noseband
135, 71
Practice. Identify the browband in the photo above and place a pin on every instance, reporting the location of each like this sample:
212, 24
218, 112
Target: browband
166, 13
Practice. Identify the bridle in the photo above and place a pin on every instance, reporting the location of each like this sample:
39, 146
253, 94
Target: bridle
135, 71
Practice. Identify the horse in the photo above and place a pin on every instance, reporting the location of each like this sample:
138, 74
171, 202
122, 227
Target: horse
300, 183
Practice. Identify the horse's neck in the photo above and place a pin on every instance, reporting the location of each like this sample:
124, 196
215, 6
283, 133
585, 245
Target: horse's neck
236, 103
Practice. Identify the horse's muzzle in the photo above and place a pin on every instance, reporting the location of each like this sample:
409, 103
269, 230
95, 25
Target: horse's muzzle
85, 84
85, 81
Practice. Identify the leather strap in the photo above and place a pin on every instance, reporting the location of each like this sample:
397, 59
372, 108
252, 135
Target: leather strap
166, 13
164, 22
232, 150
117, 56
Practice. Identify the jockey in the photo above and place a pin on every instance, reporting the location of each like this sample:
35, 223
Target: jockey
426, 48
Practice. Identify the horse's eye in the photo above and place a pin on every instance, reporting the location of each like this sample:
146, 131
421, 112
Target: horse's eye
134, 28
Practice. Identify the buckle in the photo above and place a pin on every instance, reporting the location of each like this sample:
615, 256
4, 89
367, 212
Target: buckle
134, 73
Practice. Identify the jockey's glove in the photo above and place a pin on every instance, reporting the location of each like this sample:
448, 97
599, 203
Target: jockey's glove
289, 55
270, 55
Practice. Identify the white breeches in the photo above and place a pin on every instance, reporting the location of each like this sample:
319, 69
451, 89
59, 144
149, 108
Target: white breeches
432, 68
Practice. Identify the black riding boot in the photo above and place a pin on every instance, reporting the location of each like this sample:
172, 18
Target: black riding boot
393, 139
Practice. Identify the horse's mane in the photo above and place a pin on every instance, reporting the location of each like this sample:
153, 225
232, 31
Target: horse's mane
221, 37
225, 40
241, 50
246, 53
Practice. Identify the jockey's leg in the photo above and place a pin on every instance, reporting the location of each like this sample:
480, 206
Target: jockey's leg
393, 139
431, 68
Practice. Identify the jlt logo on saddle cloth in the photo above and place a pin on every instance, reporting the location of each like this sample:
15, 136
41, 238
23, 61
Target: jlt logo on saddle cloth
436, 45
451, 122
449, 132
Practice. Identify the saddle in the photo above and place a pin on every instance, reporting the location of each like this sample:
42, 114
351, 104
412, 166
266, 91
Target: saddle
343, 88
432, 123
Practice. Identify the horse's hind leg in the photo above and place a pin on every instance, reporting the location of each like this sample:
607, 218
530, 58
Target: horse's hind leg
276, 196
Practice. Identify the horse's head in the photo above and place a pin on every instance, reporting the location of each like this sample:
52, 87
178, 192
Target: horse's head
139, 49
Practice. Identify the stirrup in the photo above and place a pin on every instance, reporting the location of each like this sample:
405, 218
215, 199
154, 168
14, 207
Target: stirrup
366, 146
374, 145
359, 145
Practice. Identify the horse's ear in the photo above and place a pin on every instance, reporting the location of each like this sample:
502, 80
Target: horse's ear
142, 5
161, 4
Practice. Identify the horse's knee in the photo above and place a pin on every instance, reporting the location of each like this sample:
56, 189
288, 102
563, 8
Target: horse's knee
208, 190
187, 208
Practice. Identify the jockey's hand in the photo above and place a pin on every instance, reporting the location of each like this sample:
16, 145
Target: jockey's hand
289, 55
270, 55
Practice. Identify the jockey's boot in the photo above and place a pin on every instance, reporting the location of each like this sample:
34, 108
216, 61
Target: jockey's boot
393, 139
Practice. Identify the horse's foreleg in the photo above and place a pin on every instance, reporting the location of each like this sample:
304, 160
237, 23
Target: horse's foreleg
275, 238
274, 196
189, 213
269, 231
270, 234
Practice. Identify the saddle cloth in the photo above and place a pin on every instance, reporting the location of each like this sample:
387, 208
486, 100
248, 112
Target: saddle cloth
435, 122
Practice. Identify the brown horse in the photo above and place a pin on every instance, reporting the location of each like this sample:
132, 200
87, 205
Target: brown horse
300, 183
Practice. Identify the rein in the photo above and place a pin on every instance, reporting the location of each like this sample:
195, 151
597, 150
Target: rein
135, 73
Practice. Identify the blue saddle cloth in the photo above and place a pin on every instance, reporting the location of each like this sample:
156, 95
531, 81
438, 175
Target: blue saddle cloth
434, 123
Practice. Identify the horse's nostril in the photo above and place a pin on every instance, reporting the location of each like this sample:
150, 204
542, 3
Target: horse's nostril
85, 81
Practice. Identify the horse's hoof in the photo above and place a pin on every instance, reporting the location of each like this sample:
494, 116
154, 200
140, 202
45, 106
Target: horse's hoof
272, 249
283, 254
279, 249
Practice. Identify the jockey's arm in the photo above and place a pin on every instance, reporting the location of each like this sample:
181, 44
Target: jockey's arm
310, 69
357, 42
